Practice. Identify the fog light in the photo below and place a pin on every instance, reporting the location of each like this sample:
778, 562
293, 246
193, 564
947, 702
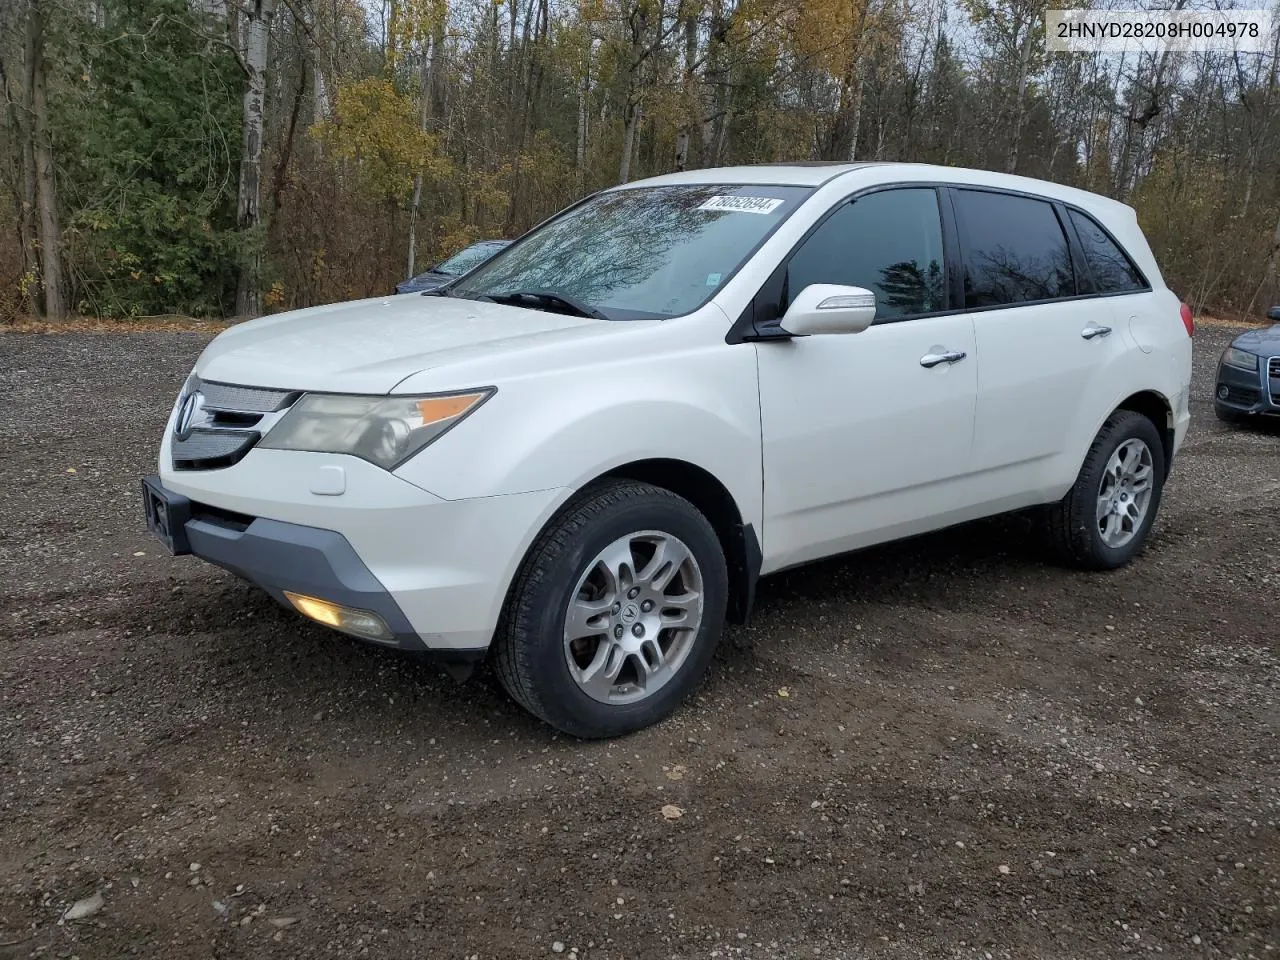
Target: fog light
362, 623
1223, 392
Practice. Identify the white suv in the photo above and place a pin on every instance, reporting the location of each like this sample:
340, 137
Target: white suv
582, 455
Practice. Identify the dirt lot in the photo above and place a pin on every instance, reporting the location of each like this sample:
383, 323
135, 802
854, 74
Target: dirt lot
944, 748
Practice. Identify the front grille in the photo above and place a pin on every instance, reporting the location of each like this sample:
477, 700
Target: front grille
1245, 396
211, 449
1273, 368
230, 398
224, 423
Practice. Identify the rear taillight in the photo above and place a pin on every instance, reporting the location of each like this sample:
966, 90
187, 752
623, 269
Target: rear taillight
1188, 321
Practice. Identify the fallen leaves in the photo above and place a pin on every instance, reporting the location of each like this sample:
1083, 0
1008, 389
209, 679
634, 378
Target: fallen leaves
671, 812
151, 324
677, 772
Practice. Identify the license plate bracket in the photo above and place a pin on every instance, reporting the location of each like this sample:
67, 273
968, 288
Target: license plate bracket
167, 514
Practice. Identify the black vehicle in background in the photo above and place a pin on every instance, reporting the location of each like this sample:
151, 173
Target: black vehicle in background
1249, 374
466, 259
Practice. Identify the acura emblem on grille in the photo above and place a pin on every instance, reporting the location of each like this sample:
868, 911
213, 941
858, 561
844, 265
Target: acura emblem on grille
191, 415
216, 424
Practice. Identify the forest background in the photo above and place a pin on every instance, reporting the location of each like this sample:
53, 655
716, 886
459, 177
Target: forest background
224, 158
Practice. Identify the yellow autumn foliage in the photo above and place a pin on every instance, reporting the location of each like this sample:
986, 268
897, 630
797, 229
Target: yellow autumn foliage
410, 23
832, 33
376, 128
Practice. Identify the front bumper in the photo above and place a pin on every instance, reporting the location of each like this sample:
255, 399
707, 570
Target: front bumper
1239, 391
436, 571
279, 556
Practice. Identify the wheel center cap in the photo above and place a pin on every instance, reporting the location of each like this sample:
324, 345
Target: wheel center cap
630, 613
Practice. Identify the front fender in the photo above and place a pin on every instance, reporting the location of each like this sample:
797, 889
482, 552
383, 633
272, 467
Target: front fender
562, 430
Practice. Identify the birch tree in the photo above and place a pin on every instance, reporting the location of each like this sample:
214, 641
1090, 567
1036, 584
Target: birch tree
257, 30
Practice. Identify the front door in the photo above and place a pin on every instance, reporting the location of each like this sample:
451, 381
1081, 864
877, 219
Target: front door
865, 436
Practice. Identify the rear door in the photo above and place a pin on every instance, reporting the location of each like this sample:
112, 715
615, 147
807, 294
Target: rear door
1041, 349
865, 435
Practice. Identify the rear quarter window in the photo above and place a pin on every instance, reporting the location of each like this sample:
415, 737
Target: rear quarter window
1111, 268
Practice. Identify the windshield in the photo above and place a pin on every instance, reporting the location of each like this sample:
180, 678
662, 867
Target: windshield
642, 253
464, 260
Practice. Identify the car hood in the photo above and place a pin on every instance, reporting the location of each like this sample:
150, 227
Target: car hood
369, 346
1264, 342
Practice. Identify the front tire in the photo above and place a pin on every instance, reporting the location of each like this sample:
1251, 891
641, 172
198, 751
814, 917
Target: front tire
1104, 520
614, 615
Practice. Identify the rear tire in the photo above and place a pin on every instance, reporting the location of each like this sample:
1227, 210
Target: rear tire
614, 615
1104, 520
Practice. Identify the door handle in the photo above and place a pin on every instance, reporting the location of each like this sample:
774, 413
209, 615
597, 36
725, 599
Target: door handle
933, 359
1094, 330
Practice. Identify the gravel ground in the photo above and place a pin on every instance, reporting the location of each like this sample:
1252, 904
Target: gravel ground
942, 748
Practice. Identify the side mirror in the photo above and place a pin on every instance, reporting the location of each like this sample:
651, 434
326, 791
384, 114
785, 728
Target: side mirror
1274, 314
829, 308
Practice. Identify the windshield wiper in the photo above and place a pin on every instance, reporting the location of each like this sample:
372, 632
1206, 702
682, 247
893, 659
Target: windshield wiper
550, 300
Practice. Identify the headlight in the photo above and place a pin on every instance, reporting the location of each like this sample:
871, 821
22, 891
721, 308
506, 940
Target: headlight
1240, 360
383, 430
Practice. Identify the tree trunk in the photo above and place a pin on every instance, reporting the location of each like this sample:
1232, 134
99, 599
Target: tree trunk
682, 150
424, 120
23, 186
721, 148
439, 73
638, 26
493, 46
584, 89
534, 46
1020, 105
319, 102
319, 108
248, 212
715, 94
632, 120
48, 230
280, 178
855, 120
30, 231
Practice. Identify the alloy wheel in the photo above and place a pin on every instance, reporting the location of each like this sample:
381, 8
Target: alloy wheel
633, 617
1124, 496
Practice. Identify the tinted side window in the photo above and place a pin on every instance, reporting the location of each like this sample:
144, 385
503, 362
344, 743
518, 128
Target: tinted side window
889, 242
1014, 250
1112, 270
